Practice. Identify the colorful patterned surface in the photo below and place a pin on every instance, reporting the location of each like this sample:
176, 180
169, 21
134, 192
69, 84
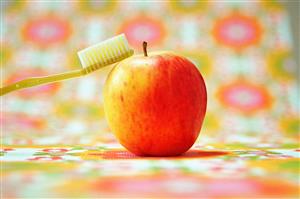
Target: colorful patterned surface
56, 143
109, 171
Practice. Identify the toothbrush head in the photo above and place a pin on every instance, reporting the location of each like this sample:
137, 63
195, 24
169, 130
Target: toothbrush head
105, 53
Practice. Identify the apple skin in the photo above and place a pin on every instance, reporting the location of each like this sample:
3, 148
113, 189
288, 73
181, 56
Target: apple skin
155, 105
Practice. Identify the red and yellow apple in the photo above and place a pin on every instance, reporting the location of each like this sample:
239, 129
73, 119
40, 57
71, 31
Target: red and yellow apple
155, 104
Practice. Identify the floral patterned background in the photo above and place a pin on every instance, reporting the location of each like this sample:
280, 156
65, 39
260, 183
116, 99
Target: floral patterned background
58, 133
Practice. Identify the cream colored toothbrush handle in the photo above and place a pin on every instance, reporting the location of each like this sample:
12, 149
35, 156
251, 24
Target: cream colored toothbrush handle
35, 81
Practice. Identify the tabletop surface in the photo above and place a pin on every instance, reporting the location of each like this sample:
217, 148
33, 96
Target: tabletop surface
108, 170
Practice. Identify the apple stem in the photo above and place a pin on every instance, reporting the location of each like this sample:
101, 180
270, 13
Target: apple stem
145, 49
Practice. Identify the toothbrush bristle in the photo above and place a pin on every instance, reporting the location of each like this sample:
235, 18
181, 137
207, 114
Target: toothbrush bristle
105, 53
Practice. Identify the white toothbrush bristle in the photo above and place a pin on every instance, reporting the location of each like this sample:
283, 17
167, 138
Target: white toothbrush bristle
107, 52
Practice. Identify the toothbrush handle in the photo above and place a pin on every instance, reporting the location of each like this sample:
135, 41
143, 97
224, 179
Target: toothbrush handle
35, 81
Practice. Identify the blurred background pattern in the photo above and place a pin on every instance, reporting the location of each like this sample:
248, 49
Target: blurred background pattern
244, 50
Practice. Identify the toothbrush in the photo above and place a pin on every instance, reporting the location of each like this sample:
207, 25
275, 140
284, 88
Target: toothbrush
92, 58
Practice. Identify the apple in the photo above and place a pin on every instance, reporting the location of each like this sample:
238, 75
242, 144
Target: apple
155, 104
